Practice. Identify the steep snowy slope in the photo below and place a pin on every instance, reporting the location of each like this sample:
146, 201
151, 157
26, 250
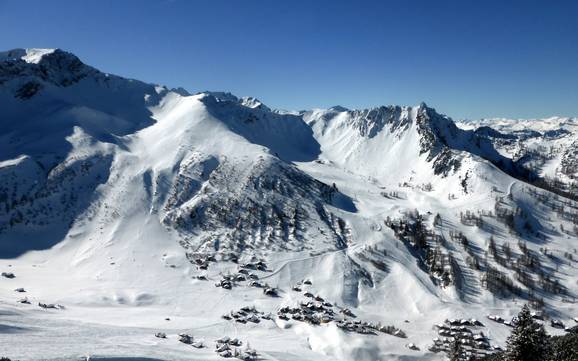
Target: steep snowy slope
377, 141
142, 209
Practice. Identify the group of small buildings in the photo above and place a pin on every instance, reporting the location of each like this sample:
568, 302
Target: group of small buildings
183, 338
311, 312
555, 323
227, 347
201, 260
467, 332
314, 310
244, 274
46, 306
25, 300
247, 314
317, 310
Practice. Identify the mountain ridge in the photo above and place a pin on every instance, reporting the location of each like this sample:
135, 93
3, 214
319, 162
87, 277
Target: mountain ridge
133, 196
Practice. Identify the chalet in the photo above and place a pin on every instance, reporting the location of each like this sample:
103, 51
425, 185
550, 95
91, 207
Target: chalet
255, 284
269, 291
347, 312
46, 305
185, 338
224, 339
556, 323
226, 354
223, 347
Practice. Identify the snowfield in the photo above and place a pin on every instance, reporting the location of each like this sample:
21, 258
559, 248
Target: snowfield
124, 204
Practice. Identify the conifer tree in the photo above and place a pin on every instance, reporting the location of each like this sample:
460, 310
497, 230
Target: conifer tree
528, 341
565, 348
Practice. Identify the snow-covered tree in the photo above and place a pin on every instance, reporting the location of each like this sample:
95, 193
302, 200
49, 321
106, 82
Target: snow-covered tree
528, 341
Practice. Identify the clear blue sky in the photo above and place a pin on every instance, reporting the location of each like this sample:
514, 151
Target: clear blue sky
465, 58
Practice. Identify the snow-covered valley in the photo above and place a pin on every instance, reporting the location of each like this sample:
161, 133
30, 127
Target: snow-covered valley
130, 210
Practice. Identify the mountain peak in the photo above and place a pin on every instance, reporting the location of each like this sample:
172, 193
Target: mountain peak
338, 108
28, 71
30, 55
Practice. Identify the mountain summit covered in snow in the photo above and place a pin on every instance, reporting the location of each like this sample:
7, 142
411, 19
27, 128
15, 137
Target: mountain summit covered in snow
134, 209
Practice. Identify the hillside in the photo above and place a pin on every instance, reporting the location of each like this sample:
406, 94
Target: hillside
135, 209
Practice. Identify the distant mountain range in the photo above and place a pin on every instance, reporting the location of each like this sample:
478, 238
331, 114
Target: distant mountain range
119, 199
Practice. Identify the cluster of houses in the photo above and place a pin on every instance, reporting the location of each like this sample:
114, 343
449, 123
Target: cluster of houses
314, 311
318, 311
228, 281
231, 348
555, 323
368, 328
231, 280
247, 314
311, 312
244, 274
259, 266
474, 343
201, 260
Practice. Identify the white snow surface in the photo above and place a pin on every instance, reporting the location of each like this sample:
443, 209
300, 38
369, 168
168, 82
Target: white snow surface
109, 183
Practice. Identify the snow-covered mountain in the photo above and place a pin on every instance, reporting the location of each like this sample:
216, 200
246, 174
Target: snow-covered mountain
143, 209
548, 147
